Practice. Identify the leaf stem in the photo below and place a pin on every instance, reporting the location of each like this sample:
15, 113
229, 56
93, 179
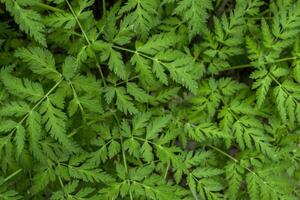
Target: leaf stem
79, 24
87, 40
134, 52
61, 183
167, 170
143, 55
48, 7
12, 175
251, 65
132, 78
76, 97
103, 8
222, 152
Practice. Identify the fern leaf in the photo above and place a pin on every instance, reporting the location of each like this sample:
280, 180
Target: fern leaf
42, 179
178, 64
158, 43
40, 61
138, 93
262, 85
54, 120
116, 64
87, 84
158, 69
61, 20
8, 194
8, 125
29, 20
234, 176
34, 128
88, 174
22, 88
15, 108
69, 68
252, 186
20, 139
194, 13
142, 15
287, 101
156, 126
143, 68
204, 131
164, 95
140, 120
123, 102
207, 172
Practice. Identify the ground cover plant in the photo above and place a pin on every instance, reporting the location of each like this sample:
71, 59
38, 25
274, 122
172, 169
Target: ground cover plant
149, 99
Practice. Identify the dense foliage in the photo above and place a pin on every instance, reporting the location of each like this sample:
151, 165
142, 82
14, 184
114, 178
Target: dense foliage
149, 99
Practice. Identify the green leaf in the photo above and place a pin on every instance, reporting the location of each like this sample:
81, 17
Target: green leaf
117, 65
156, 126
194, 13
54, 121
88, 174
29, 20
123, 102
22, 88
34, 129
138, 93
69, 68
15, 108
20, 139
142, 17
113, 148
40, 61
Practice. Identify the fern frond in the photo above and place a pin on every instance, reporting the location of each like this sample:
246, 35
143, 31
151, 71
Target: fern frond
29, 20
142, 15
138, 93
116, 64
40, 61
54, 120
15, 108
195, 14
22, 88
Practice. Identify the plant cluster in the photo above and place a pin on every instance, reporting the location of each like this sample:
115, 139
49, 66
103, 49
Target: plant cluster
150, 99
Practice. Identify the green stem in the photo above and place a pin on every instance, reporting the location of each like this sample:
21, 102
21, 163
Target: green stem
87, 40
79, 24
238, 67
121, 139
103, 8
100, 71
12, 175
167, 170
141, 54
61, 183
222, 152
134, 52
73, 33
76, 97
125, 49
251, 65
132, 78
48, 7
130, 192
